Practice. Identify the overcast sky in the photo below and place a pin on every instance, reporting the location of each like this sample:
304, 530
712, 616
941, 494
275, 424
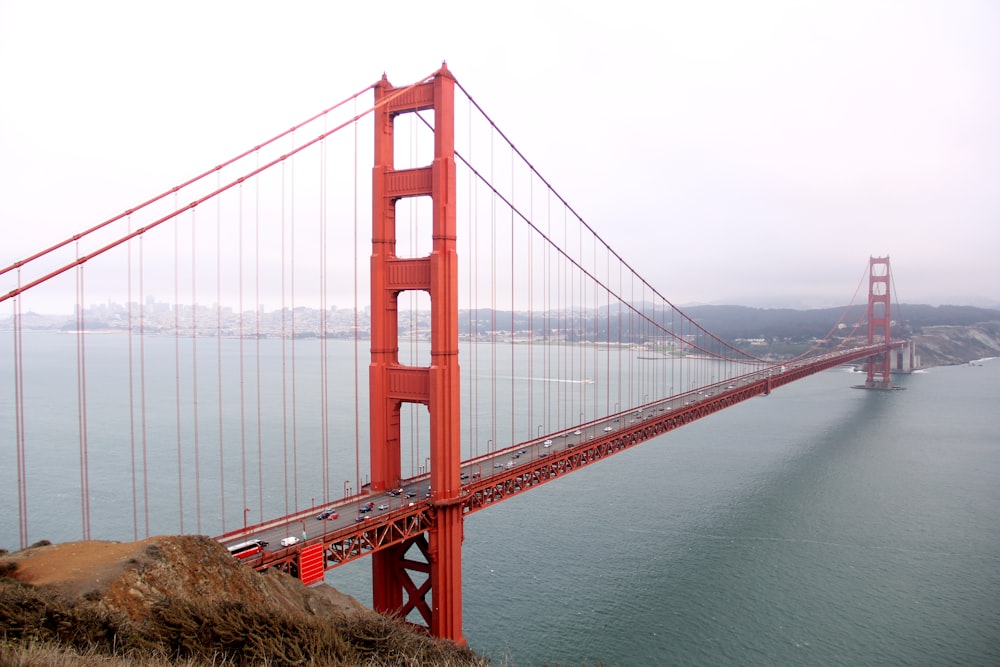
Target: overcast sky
781, 143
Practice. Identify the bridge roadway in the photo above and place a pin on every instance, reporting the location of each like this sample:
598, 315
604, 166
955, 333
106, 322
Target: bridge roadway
354, 531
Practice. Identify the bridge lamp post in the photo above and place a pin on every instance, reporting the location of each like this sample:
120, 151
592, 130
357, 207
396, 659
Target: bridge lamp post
489, 445
245, 511
538, 434
346, 487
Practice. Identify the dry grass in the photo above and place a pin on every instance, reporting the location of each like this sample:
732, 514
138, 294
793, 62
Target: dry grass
50, 655
38, 628
183, 600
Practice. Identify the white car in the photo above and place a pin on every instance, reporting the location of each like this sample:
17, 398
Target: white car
547, 443
289, 541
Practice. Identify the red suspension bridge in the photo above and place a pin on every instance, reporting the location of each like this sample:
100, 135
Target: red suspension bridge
230, 368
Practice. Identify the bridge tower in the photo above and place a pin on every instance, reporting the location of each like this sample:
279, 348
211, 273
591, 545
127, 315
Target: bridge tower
879, 322
439, 573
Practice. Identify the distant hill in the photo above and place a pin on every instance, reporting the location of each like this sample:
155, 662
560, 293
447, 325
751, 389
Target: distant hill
944, 335
946, 345
741, 322
736, 322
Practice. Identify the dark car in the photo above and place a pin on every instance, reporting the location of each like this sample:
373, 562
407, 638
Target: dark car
328, 513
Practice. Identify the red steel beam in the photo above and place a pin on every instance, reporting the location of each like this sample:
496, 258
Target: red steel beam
402, 529
437, 385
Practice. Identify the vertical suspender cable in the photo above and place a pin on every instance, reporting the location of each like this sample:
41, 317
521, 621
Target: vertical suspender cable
177, 370
575, 331
81, 378
561, 279
671, 379
218, 347
513, 373
493, 291
562, 376
565, 317
570, 286
291, 274
257, 314
624, 350
475, 305
644, 347
242, 370
635, 375
547, 304
22, 479
659, 342
357, 406
142, 384
284, 340
194, 372
607, 357
621, 342
531, 306
323, 360
676, 366
596, 316
473, 328
131, 387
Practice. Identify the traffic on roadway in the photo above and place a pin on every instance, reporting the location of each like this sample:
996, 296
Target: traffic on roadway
287, 532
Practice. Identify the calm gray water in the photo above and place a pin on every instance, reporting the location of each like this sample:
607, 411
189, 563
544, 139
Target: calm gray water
819, 525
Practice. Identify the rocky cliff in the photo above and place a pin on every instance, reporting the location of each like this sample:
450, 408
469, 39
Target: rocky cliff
950, 345
185, 598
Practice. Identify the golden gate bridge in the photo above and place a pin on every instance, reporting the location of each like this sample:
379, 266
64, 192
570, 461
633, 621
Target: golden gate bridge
494, 342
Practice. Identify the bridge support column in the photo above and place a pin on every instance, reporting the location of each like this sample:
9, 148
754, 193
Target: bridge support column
437, 385
879, 323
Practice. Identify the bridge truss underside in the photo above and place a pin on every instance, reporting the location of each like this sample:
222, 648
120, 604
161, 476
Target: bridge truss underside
405, 529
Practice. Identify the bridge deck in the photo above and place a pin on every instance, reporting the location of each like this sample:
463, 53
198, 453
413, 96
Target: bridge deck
367, 522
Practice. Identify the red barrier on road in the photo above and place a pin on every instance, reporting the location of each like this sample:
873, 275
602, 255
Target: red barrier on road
311, 567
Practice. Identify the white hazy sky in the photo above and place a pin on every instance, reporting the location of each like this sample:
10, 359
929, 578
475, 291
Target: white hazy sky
783, 143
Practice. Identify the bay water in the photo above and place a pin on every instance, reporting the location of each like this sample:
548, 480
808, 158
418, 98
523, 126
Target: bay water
820, 525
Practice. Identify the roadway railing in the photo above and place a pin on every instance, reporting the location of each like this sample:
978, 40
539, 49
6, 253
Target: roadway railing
627, 429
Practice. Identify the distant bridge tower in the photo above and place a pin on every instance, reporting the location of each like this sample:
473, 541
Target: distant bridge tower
879, 322
439, 574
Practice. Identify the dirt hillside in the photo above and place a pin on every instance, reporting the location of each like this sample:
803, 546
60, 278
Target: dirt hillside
133, 576
185, 598
949, 345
